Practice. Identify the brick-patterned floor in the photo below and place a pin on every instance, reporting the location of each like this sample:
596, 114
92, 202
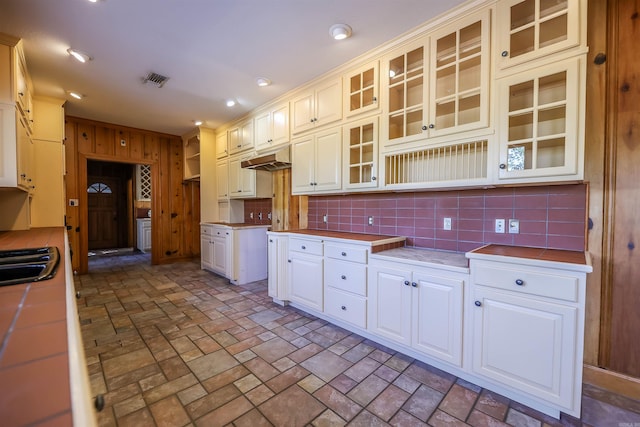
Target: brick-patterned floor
173, 345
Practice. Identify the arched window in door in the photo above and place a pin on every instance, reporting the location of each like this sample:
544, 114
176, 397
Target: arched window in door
99, 187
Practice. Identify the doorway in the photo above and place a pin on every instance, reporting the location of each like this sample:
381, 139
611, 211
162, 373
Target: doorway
109, 194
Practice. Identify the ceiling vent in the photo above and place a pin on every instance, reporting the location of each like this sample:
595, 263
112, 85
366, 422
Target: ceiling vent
155, 79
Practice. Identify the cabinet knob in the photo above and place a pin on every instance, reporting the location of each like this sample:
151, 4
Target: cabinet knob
505, 53
303, 247
289, 260
311, 120
78, 294
414, 284
270, 240
344, 308
343, 277
503, 166
519, 282
424, 127
375, 99
20, 93
344, 254
478, 304
431, 126
373, 178
99, 402
406, 283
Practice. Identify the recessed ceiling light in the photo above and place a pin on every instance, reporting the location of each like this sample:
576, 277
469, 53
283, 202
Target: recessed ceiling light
80, 56
262, 81
340, 31
197, 122
231, 103
76, 95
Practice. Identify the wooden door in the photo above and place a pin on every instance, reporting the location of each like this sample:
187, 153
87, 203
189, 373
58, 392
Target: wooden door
103, 195
620, 347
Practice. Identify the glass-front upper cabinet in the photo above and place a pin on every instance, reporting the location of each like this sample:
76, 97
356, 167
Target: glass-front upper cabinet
541, 121
361, 90
459, 77
534, 28
406, 93
361, 154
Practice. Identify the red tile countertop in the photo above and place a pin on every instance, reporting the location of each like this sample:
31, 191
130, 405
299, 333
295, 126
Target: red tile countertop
34, 355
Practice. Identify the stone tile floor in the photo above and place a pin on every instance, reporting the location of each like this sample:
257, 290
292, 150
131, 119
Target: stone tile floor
172, 345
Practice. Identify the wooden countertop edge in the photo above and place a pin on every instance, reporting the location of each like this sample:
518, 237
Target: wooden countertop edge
373, 239
571, 260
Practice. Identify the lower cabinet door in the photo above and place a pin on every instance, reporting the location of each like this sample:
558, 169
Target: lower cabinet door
525, 343
305, 273
345, 306
206, 253
220, 255
437, 317
390, 303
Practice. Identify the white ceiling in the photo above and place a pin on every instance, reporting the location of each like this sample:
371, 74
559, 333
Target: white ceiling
211, 50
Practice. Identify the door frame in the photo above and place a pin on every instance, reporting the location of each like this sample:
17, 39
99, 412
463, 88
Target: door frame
83, 199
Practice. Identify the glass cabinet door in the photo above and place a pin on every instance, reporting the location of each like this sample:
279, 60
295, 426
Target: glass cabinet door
361, 153
406, 95
459, 77
532, 28
539, 122
361, 88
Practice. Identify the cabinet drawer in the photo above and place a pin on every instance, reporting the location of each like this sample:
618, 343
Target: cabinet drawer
526, 281
347, 307
346, 252
206, 230
347, 276
307, 246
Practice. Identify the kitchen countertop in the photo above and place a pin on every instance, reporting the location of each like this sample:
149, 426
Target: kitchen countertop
237, 224
36, 322
378, 242
571, 259
434, 258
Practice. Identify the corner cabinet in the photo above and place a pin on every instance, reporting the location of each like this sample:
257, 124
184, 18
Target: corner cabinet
316, 164
318, 106
192, 158
532, 29
541, 122
526, 322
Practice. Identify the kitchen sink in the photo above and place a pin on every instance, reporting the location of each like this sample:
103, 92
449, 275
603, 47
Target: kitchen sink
28, 265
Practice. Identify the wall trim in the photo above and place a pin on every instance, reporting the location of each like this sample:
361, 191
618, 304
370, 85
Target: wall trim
612, 381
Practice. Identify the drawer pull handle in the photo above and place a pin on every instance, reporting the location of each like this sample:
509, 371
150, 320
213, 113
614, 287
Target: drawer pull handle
414, 284
519, 282
344, 307
343, 277
406, 283
478, 304
304, 247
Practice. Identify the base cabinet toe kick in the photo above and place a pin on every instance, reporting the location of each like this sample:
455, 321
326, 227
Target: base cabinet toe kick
507, 319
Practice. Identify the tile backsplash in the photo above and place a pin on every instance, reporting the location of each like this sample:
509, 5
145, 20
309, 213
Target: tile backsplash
257, 211
549, 216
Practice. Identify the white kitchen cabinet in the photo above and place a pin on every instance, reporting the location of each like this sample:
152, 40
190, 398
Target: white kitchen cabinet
240, 137
439, 84
417, 307
306, 272
459, 76
318, 106
272, 127
143, 226
215, 248
222, 179
361, 87
534, 29
526, 321
222, 149
278, 267
541, 122
317, 162
361, 154
345, 283
248, 183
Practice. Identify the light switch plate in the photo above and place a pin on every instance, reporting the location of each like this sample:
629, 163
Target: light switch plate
514, 226
447, 224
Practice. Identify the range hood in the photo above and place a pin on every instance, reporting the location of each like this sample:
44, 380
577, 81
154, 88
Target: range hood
269, 162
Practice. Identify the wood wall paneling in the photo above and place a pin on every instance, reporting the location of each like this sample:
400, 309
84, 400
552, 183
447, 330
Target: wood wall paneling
175, 206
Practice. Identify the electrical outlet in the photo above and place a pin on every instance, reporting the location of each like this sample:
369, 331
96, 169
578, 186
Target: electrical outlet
447, 224
499, 225
370, 220
514, 226
73, 202
325, 218
250, 215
